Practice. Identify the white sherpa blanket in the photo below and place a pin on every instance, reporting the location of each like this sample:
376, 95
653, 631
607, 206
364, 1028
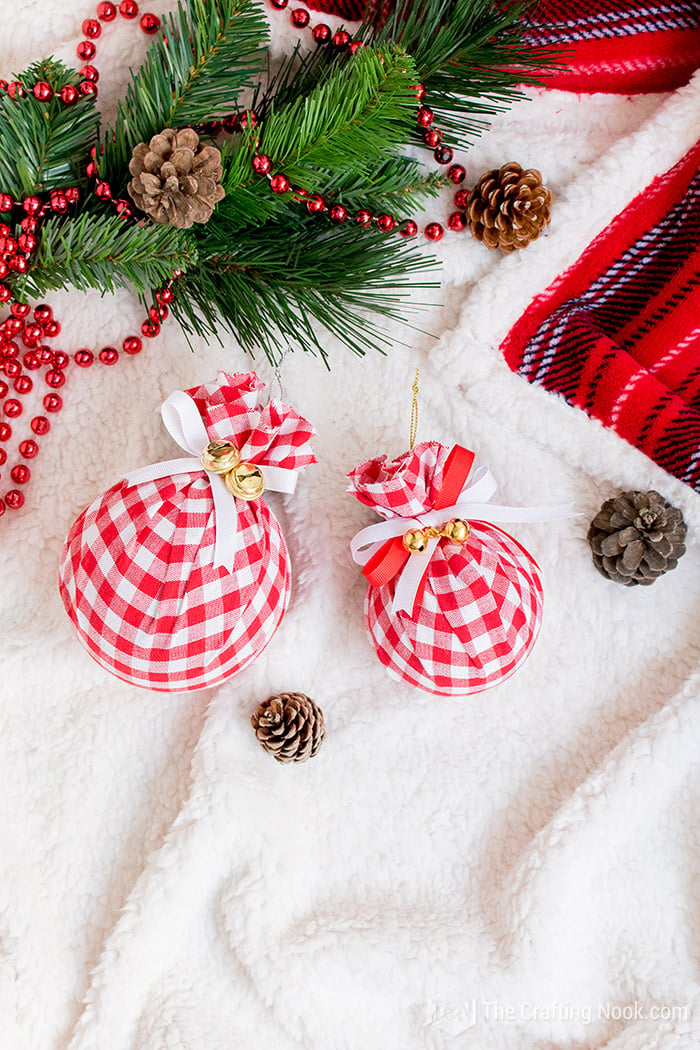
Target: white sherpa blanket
513, 871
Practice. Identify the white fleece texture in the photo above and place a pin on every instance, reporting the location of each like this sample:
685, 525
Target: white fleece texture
512, 871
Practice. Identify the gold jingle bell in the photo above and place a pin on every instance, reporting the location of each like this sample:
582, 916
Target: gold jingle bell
220, 456
414, 541
245, 481
457, 531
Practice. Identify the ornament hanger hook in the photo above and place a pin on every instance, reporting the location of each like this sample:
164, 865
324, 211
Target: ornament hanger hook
277, 376
414, 411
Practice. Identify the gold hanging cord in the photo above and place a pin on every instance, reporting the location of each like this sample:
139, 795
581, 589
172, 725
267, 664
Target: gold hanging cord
414, 412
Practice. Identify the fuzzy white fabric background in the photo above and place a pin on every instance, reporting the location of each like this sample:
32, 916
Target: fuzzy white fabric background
517, 870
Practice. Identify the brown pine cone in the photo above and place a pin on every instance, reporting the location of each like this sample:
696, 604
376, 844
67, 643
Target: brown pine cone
508, 207
175, 180
636, 537
289, 726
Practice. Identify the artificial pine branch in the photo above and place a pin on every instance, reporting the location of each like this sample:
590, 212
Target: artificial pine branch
271, 285
45, 145
210, 52
105, 252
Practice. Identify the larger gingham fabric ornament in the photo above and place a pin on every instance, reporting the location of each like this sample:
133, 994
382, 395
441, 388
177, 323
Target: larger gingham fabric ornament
454, 603
178, 576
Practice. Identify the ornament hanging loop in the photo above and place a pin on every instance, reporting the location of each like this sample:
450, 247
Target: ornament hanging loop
414, 412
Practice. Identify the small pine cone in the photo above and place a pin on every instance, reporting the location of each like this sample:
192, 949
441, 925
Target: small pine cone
636, 537
508, 207
175, 180
289, 726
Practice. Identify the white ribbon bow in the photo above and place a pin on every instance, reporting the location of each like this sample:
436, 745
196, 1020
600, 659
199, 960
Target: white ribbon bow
472, 505
184, 424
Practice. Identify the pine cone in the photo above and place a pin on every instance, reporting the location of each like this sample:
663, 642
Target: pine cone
175, 180
508, 207
289, 726
636, 537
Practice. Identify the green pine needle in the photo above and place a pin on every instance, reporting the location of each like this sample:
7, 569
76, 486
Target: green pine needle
210, 53
106, 252
45, 145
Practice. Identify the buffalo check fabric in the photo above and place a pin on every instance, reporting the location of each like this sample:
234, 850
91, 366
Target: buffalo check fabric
137, 576
480, 610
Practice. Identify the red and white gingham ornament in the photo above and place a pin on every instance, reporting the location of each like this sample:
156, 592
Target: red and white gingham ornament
456, 618
171, 582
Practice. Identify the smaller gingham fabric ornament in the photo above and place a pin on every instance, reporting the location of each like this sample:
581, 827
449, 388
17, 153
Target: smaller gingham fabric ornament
178, 576
454, 603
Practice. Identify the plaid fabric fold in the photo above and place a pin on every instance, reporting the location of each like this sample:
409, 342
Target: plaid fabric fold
481, 607
618, 334
137, 576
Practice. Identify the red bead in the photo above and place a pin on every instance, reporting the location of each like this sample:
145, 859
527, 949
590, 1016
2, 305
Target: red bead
72, 194
14, 499
433, 231
456, 173
15, 89
341, 39
128, 9
26, 242
279, 183
83, 358
124, 209
419, 91
106, 11
6, 202
425, 116
23, 384
53, 403
91, 28
30, 361
3, 85
91, 169
338, 213
462, 198
108, 355
432, 138
363, 218
12, 408
443, 154
178, 273
5, 431
132, 345
300, 18
165, 296
42, 313
85, 50
11, 368
55, 378
9, 350
20, 310
103, 191
59, 202
321, 33
247, 119
14, 324
261, 164
69, 94
386, 222
44, 355
5, 229
86, 87
4, 269
31, 205
457, 221
150, 23
356, 46
28, 448
3, 459
3, 388
315, 204
279, 5
20, 474
52, 329
42, 91
59, 359
150, 330
19, 264
5, 293
40, 425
